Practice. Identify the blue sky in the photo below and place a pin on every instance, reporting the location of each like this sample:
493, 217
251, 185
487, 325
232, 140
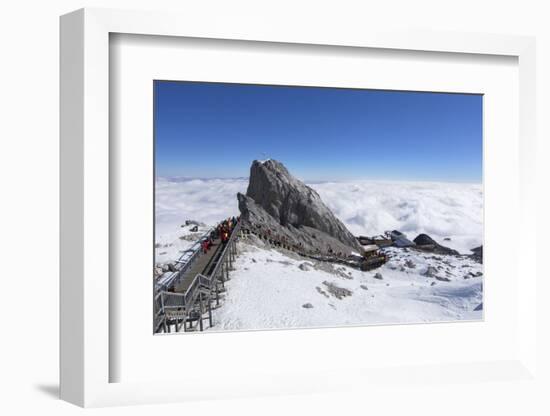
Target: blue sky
216, 130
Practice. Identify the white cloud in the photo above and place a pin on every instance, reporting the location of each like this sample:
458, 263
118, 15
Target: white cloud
452, 210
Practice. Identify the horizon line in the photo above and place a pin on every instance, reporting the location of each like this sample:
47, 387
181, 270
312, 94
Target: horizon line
313, 181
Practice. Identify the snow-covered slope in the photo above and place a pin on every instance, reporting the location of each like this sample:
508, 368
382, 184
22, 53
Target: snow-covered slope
271, 290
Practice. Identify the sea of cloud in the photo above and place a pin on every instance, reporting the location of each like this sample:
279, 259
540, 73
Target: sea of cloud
443, 210
452, 213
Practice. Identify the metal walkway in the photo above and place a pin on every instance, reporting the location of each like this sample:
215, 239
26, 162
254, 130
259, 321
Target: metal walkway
204, 265
195, 287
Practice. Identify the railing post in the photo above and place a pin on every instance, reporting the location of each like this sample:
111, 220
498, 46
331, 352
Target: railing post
201, 312
226, 271
163, 312
209, 313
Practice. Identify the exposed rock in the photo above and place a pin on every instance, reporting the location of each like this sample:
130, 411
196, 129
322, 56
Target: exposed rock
193, 222
321, 291
442, 279
426, 243
449, 264
337, 291
330, 268
400, 240
285, 210
410, 264
307, 306
430, 272
479, 307
433, 283
477, 254
305, 267
364, 287
378, 276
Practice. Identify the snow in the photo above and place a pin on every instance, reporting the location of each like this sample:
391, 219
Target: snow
268, 290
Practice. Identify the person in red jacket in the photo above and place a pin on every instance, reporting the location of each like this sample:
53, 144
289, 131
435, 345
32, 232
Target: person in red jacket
204, 245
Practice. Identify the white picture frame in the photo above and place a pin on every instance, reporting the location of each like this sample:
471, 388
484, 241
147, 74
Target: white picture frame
86, 355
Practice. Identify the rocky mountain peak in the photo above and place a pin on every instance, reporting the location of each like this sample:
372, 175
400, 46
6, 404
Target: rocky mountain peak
277, 200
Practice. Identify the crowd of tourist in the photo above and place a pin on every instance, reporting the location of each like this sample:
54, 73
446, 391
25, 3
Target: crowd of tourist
222, 232
266, 234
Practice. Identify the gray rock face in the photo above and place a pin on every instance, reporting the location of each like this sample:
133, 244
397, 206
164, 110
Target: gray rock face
477, 254
337, 291
427, 243
281, 206
430, 272
305, 267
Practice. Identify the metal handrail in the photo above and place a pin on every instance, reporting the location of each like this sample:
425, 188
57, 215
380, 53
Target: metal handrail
195, 250
229, 243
